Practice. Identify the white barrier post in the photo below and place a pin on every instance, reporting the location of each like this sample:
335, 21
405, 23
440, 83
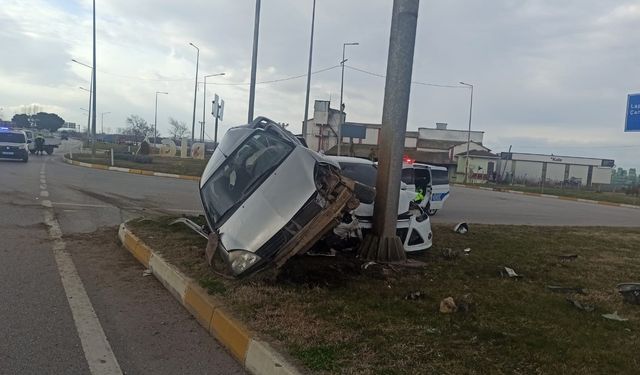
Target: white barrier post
112, 157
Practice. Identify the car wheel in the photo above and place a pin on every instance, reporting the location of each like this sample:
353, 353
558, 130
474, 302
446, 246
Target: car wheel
431, 212
49, 152
33, 152
25, 159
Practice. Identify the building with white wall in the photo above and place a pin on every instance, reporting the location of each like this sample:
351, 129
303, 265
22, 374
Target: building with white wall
554, 169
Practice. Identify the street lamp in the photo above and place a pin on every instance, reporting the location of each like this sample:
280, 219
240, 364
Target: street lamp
204, 103
306, 100
90, 92
344, 45
195, 92
254, 62
466, 166
155, 118
102, 121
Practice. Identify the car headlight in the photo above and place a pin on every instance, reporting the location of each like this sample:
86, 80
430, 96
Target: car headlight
241, 260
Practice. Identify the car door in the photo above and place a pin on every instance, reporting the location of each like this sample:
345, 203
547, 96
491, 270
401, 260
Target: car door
439, 187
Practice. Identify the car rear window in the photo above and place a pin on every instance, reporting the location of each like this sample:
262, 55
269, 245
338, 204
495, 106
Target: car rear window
12, 137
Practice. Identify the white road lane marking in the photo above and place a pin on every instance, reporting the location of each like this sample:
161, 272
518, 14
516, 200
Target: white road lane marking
43, 186
44, 193
96, 348
136, 208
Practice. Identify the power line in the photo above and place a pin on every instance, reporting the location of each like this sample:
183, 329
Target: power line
413, 82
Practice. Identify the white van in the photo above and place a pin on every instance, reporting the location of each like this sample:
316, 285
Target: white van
432, 181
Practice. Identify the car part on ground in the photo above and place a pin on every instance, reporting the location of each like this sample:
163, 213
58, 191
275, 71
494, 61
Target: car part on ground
630, 292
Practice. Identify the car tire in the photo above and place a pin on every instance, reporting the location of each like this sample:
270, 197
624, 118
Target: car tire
49, 152
33, 152
431, 212
24, 160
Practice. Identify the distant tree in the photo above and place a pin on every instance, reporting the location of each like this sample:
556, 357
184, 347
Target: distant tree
21, 120
48, 121
138, 128
41, 120
178, 129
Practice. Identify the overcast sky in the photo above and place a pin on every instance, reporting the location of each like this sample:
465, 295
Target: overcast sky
549, 76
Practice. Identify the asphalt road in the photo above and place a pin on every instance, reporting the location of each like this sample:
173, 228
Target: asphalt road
42, 325
493, 207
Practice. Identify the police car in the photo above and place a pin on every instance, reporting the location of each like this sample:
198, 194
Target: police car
13, 144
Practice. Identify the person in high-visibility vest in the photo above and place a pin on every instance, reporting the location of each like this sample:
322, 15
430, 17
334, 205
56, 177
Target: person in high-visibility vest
39, 144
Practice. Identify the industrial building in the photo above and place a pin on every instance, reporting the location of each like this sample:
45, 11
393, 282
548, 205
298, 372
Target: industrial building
554, 169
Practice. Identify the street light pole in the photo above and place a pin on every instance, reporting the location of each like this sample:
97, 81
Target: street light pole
204, 103
344, 45
254, 62
90, 92
306, 100
195, 92
466, 166
155, 118
93, 84
102, 121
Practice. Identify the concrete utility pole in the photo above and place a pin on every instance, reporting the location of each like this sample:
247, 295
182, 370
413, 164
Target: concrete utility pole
466, 164
93, 84
195, 91
383, 244
155, 118
344, 45
254, 62
306, 100
102, 121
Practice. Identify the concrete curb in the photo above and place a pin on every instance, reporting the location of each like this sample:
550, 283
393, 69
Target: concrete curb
130, 170
257, 356
602, 203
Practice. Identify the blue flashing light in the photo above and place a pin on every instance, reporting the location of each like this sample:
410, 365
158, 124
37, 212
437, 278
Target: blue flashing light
3, 128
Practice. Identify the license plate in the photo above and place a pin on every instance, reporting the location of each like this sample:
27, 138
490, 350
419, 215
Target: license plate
7, 153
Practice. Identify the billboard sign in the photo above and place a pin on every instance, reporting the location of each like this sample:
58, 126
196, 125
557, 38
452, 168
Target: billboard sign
632, 117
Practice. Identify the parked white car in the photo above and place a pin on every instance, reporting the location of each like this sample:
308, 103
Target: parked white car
414, 226
431, 181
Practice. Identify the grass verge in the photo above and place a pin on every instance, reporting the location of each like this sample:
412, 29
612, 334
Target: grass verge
187, 166
335, 317
573, 193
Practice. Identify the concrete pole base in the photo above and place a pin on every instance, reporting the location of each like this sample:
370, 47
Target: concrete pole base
385, 249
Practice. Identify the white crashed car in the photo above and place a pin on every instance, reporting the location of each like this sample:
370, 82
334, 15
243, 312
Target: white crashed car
414, 226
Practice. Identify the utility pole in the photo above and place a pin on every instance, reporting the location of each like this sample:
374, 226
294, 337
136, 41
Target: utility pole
102, 121
344, 45
93, 84
383, 245
155, 118
254, 62
195, 92
466, 164
306, 100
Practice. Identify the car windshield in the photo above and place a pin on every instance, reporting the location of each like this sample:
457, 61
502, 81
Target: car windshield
242, 172
12, 137
364, 173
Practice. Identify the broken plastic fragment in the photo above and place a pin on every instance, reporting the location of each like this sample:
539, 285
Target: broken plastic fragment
509, 272
615, 317
448, 306
461, 228
581, 306
146, 273
630, 292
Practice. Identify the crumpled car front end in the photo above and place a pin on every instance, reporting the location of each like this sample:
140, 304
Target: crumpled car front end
267, 198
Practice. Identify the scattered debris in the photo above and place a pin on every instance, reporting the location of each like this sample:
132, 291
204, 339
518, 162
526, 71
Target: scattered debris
461, 228
568, 258
366, 265
630, 292
615, 317
581, 306
321, 252
433, 331
465, 303
448, 306
467, 251
566, 289
450, 254
147, 272
415, 295
510, 273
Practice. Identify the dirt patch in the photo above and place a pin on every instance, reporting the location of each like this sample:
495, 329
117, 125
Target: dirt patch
335, 316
